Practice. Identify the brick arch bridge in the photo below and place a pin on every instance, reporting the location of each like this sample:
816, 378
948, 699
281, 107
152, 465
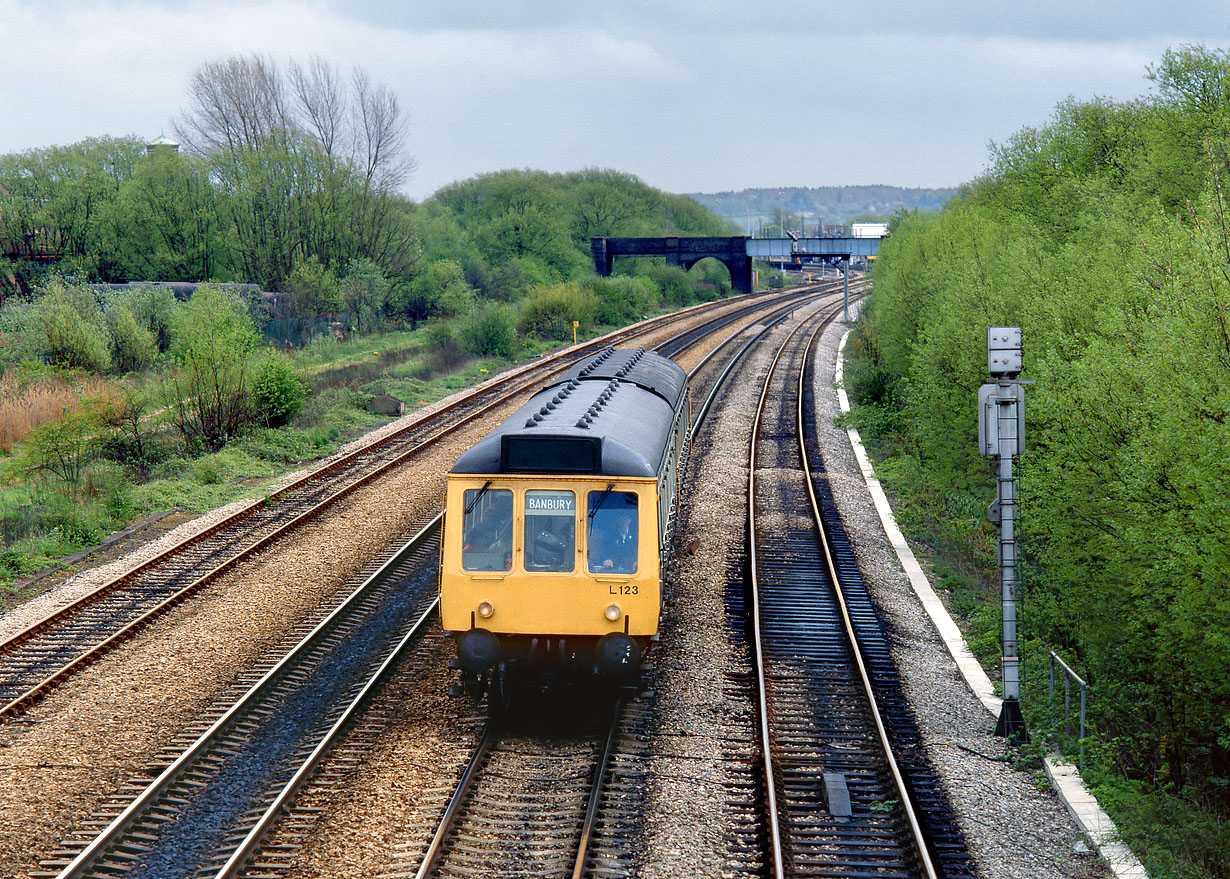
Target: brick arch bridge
683, 252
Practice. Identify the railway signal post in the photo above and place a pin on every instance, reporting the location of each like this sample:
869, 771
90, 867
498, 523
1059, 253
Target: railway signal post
1001, 435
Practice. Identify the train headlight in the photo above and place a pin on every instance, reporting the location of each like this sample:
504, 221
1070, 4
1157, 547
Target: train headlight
485, 610
613, 612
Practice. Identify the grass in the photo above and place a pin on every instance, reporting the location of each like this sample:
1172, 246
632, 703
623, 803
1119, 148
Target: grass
43, 519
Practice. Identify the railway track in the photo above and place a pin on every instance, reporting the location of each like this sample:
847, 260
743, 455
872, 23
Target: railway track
253, 807
526, 804
838, 803
37, 659
210, 805
206, 805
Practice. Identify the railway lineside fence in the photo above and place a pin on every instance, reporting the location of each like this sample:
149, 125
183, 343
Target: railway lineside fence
1068, 677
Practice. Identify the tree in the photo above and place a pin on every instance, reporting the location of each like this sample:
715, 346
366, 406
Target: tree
236, 104
315, 287
213, 345
169, 222
307, 165
364, 292
54, 202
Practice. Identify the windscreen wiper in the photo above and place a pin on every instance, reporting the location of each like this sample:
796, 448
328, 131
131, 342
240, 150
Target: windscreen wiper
596, 507
474, 503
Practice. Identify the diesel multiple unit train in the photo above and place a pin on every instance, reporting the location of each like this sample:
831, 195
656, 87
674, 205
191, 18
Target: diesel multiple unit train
557, 523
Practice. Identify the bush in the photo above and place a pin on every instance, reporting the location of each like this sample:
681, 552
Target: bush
490, 332
152, 307
673, 282
444, 350
70, 325
620, 300
549, 313
277, 392
133, 347
213, 343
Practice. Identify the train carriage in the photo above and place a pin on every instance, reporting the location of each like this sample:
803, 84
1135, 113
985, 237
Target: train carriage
556, 523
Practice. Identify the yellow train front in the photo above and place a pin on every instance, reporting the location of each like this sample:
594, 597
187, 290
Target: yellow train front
556, 524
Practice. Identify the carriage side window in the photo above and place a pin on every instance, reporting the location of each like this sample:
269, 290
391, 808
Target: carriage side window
612, 532
550, 530
487, 529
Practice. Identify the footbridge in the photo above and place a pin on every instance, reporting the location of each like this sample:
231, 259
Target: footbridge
735, 252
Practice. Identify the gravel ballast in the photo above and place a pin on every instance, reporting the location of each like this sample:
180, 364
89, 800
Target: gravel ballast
1015, 825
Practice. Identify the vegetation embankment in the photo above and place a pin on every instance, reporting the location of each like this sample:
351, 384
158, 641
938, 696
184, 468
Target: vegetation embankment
121, 399
1105, 235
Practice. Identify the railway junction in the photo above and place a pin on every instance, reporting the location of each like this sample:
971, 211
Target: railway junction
271, 699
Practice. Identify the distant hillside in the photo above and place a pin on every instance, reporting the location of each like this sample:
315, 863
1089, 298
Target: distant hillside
821, 204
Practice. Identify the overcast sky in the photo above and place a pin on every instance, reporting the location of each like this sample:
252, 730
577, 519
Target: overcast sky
694, 96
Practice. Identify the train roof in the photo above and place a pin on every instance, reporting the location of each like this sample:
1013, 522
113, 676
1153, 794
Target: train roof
609, 415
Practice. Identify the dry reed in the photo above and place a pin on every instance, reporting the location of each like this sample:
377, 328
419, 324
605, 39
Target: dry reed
26, 405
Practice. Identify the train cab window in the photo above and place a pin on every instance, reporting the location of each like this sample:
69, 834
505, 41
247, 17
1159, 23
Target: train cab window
550, 530
612, 532
487, 529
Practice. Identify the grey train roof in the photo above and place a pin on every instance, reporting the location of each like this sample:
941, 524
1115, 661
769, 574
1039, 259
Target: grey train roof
609, 415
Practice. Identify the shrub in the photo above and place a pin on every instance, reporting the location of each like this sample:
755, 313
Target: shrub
213, 344
620, 300
549, 313
129, 442
277, 392
69, 322
673, 282
490, 331
63, 448
133, 347
152, 307
444, 350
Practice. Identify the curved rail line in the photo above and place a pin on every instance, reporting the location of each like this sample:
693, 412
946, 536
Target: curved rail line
796, 594
36, 659
193, 766
137, 833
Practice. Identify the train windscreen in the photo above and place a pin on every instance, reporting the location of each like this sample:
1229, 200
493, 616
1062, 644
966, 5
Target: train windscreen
487, 529
612, 532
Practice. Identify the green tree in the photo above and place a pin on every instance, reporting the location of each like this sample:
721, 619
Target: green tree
315, 286
364, 292
168, 223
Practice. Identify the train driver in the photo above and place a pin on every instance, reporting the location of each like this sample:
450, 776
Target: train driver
613, 539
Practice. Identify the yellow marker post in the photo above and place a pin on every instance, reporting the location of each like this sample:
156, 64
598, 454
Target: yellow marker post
575, 324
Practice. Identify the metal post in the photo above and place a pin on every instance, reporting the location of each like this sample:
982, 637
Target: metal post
1082, 751
1007, 416
1001, 435
845, 301
1067, 706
